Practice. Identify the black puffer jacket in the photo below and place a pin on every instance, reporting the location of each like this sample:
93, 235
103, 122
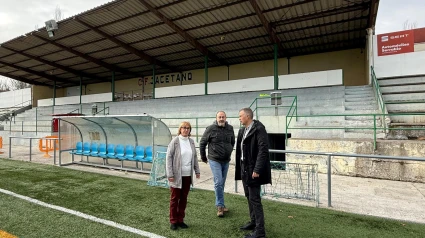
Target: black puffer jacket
220, 140
256, 155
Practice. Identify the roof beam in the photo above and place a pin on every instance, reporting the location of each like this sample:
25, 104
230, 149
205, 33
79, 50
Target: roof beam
272, 35
40, 74
18, 78
73, 71
370, 21
87, 57
128, 48
355, 7
182, 33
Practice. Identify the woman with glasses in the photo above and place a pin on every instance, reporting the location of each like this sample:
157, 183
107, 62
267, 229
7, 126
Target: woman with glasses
181, 162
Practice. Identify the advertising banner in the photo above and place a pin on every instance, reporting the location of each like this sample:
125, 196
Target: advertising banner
396, 43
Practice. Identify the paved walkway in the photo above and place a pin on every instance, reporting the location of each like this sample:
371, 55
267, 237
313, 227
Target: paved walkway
376, 197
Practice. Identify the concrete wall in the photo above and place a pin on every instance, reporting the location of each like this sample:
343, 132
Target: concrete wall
12, 98
406, 64
302, 80
101, 97
363, 167
351, 62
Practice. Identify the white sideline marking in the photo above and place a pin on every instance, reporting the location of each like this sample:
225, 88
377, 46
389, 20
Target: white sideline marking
85, 216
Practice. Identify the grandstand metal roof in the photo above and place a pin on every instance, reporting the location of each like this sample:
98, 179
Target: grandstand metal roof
129, 36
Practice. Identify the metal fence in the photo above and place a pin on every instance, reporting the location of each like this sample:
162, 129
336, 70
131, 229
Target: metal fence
293, 180
329, 162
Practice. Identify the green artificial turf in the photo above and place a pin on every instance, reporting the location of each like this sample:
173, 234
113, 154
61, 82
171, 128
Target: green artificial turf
131, 202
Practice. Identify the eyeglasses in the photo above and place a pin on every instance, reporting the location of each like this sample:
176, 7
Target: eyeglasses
187, 128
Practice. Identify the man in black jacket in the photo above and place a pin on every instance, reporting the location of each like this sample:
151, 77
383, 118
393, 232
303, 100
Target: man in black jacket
220, 138
253, 168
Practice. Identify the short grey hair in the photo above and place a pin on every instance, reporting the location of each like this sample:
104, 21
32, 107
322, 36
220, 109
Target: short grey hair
248, 112
219, 112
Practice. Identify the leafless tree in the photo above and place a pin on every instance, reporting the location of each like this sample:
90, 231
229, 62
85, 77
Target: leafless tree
16, 85
4, 86
58, 14
409, 25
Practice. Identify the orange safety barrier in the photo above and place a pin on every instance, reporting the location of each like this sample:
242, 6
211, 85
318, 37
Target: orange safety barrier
1, 144
48, 145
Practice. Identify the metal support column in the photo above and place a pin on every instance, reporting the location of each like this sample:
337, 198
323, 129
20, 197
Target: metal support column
329, 181
206, 75
153, 81
275, 72
113, 85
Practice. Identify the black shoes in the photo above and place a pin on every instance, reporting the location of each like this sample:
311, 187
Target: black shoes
248, 226
183, 225
254, 235
173, 226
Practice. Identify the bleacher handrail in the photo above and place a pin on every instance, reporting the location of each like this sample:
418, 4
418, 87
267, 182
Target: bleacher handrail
378, 96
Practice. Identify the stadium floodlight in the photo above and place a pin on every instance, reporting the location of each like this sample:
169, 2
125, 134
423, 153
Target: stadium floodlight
51, 26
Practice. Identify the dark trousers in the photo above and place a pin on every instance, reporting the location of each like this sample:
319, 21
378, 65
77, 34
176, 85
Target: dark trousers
253, 194
178, 201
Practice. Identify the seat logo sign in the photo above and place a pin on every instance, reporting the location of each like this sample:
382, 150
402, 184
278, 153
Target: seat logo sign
396, 43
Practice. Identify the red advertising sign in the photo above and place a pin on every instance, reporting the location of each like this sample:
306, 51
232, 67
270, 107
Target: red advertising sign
396, 43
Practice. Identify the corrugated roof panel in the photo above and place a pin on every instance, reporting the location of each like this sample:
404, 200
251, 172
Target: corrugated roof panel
14, 58
245, 52
95, 47
123, 58
29, 63
162, 41
121, 27
214, 16
57, 57
87, 65
72, 61
236, 36
186, 54
79, 39
145, 34
209, 30
169, 49
187, 61
109, 53
241, 45
25, 43
131, 64
113, 12
43, 50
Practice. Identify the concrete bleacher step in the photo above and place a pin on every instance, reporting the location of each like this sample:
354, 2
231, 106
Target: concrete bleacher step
357, 93
363, 135
357, 103
360, 99
365, 106
403, 89
406, 107
400, 81
407, 119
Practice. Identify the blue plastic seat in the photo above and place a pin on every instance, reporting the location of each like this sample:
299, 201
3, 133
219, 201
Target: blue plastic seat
129, 152
86, 148
78, 149
148, 154
102, 150
140, 153
111, 151
119, 152
94, 149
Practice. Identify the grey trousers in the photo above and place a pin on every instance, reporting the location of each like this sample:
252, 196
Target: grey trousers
256, 213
